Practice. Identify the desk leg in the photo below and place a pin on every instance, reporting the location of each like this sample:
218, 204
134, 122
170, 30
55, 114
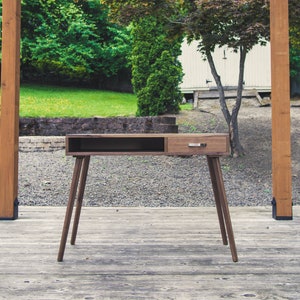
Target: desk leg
72, 195
217, 195
222, 204
85, 167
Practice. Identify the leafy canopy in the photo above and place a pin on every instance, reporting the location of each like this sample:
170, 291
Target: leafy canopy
71, 40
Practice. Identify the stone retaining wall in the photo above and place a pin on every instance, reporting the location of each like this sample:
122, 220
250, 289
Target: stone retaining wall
63, 126
41, 143
43, 134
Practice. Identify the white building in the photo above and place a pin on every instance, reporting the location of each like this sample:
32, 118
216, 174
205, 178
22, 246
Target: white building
198, 77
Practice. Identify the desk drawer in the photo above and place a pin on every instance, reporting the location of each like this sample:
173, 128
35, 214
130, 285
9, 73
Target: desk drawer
211, 144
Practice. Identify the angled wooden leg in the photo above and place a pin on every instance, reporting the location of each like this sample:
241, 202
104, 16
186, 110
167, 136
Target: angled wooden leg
217, 199
68, 215
83, 177
215, 167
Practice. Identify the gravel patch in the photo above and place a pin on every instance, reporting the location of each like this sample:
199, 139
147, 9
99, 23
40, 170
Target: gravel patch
153, 181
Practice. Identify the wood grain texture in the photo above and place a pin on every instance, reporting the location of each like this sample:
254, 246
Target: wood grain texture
150, 253
148, 144
281, 127
9, 113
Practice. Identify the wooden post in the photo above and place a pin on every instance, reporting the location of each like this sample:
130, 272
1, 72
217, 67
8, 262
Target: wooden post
9, 113
281, 127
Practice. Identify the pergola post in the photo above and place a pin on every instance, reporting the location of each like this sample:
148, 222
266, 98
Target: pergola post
281, 124
9, 105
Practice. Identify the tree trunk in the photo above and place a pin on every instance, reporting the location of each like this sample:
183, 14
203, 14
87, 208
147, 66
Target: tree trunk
236, 146
231, 118
219, 84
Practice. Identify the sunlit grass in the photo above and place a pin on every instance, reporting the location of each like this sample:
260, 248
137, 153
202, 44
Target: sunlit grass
51, 102
45, 101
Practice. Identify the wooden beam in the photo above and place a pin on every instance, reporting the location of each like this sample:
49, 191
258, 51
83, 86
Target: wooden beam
9, 114
281, 127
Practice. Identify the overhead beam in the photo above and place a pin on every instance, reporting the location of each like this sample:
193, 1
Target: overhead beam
9, 113
281, 124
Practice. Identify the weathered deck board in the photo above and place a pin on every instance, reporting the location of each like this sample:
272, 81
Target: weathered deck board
150, 253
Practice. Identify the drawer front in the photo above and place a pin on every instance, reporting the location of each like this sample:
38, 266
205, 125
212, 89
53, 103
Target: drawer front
205, 145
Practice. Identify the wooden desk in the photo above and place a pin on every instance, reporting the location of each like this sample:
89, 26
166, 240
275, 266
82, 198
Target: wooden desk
86, 145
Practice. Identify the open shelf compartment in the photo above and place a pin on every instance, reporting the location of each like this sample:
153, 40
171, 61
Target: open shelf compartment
114, 145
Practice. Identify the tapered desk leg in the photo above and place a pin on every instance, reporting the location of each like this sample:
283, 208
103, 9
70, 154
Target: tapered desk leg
82, 183
221, 202
68, 216
217, 199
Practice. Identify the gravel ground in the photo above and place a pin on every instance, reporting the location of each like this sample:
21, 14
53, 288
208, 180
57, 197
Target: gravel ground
44, 177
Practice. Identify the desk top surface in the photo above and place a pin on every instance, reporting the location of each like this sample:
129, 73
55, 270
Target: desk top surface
142, 135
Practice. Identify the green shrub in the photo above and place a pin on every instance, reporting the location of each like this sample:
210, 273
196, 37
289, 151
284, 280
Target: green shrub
161, 93
156, 71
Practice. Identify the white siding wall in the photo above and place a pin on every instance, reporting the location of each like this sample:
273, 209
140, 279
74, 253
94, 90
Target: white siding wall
197, 71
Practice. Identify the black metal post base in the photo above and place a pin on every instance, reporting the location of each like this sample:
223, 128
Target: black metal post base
274, 213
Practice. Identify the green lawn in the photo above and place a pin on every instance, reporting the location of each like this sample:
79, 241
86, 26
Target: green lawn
50, 101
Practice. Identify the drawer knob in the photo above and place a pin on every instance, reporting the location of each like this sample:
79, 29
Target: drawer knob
197, 145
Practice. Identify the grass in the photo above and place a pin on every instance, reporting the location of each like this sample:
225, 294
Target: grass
51, 102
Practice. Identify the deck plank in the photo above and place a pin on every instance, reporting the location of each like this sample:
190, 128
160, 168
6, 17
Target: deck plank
150, 253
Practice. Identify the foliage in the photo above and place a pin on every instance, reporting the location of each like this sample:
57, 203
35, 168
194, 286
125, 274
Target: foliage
156, 71
295, 52
161, 93
124, 11
294, 11
71, 40
233, 23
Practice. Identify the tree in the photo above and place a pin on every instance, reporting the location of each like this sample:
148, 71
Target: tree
161, 93
71, 41
238, 24
156, 71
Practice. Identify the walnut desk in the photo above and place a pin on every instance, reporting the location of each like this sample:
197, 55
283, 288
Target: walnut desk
83, 146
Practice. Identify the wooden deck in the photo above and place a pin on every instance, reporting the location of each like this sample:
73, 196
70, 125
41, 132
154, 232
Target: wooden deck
150, 253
